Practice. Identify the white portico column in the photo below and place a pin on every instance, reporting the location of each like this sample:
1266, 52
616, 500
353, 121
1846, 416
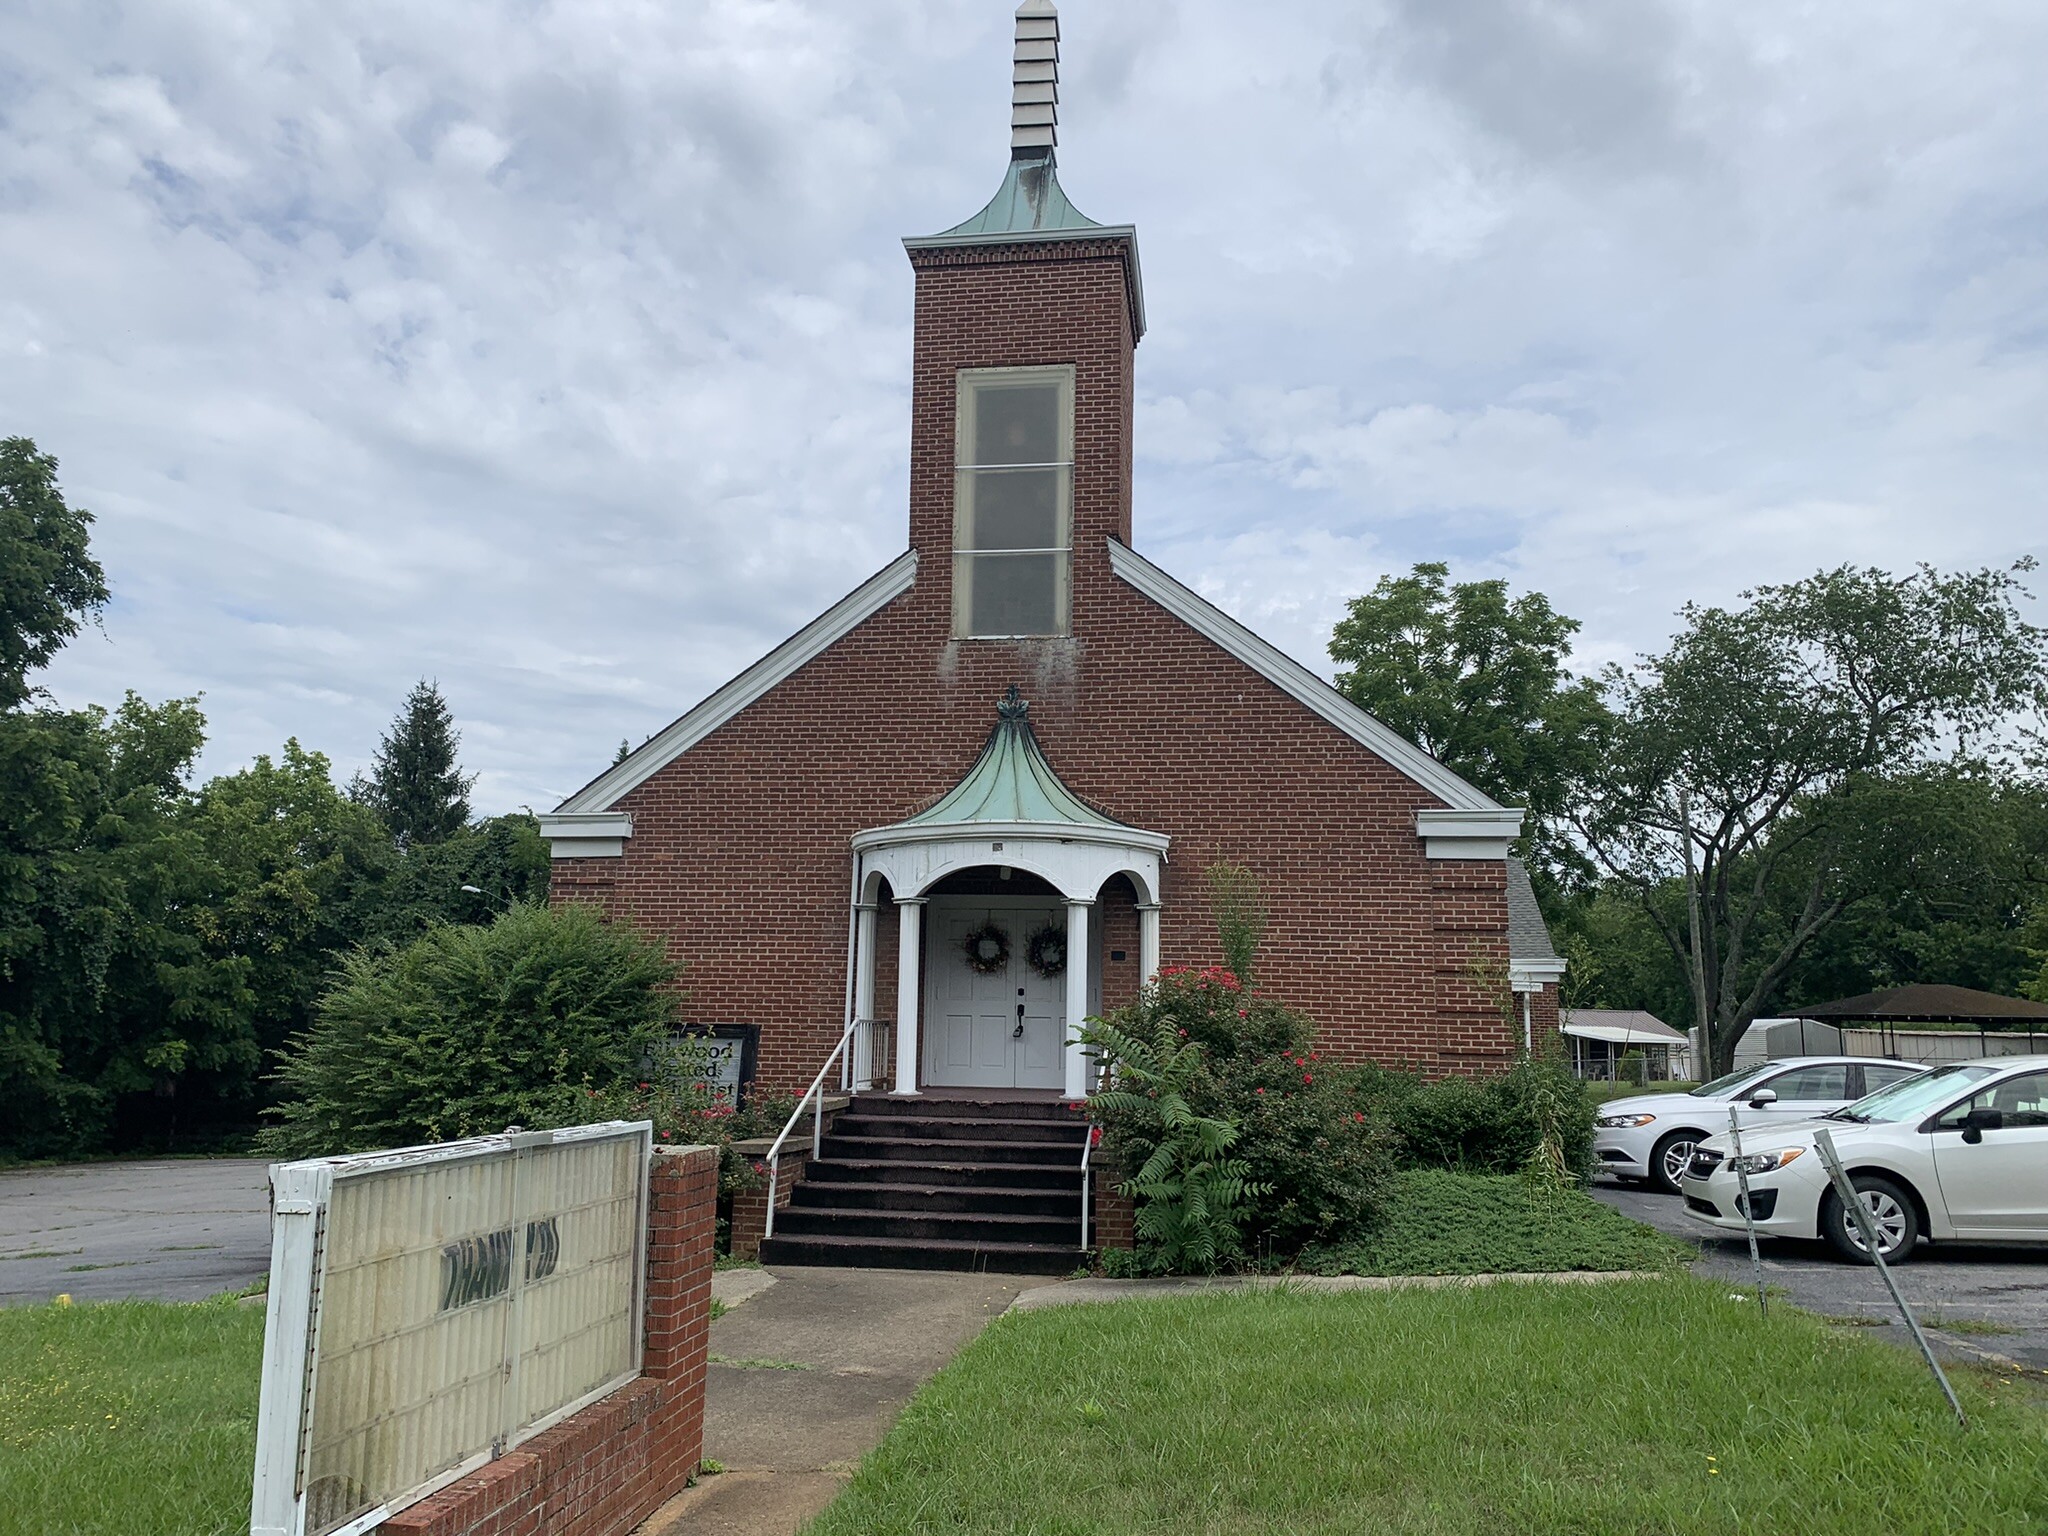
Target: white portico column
909, 933
864, 996
1077, 997
1148, 941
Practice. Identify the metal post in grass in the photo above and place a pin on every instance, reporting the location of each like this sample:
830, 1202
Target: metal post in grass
1824, 1143
1756, 1260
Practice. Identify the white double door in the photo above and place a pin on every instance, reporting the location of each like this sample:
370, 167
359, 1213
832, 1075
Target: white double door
999, 1029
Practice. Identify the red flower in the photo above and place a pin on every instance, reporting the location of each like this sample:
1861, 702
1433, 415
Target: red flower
1358, 1116
1306, 1078
1258, 1090
1095, 1136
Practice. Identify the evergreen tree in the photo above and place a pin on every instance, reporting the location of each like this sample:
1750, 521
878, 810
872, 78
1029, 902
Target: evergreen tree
414, 783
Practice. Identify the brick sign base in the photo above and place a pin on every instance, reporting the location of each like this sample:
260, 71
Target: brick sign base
603, 1471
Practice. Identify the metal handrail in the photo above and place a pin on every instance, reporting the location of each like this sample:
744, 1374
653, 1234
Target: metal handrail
1087, 1183
815, 1091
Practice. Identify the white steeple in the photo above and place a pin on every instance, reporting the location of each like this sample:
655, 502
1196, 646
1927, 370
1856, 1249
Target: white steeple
1035, 84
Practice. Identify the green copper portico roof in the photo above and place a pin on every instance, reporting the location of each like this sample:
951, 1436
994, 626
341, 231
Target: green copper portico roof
1029, 202
1012, 787
1012, 783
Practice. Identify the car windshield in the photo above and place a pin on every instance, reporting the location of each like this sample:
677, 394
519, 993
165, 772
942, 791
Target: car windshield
1913, 1096
1721, 1085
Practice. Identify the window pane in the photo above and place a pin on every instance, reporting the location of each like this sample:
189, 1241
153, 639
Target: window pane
1016, 424
1828, 1082
1010, 594
1014, 508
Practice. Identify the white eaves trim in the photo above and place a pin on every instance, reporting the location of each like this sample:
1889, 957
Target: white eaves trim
587, 834
827, 629
1534, 975
1468, 834
1295, 680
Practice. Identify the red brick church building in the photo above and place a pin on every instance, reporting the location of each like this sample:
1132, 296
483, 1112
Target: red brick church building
1023, 738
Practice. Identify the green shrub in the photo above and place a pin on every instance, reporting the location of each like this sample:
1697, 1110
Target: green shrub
1483, 1124
684, 1109
1320, 1161
1190, 1196
467, 1030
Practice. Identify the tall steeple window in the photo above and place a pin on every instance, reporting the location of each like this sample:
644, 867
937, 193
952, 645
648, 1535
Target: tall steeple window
1013, 502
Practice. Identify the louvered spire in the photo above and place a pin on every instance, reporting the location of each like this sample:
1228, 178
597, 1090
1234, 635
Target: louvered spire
1035, 82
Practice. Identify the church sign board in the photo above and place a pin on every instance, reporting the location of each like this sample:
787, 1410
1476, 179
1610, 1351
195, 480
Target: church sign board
433, 1307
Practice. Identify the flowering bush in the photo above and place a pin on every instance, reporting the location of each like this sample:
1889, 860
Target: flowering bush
686, 1111
1319, 1162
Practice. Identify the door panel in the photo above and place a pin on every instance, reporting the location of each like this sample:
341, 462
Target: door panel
971, 1020
1998, 1187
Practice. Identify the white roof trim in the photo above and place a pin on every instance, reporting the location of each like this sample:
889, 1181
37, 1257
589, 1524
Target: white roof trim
587, 835
1292, 678
826, 630
1534, 975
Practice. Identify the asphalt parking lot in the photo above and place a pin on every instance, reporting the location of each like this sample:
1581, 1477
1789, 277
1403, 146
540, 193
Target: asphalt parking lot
1980, 1289
175, 1230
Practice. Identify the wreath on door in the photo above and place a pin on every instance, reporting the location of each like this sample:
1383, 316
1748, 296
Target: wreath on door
1047, 950
988, 949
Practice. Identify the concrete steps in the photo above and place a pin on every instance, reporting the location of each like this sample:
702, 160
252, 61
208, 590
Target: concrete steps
940, 1184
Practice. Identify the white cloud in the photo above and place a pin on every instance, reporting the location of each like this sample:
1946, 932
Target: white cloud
561, 351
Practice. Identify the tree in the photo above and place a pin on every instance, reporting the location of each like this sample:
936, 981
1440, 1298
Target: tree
1743, 791
117, 1015
48, 577
295, 863
1478, 680
467, 1030
414, 783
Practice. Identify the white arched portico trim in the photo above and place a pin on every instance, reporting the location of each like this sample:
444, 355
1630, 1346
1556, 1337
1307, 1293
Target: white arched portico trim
1075, 861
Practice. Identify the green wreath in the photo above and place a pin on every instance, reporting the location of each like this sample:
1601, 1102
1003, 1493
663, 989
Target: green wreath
988, 949
1047, 950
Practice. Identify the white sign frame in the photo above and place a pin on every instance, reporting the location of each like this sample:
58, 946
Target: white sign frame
301, 1194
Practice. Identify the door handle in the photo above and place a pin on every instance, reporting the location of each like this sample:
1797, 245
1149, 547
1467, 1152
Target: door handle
1018, 1032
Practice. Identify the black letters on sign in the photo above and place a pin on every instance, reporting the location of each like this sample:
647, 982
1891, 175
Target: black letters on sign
478, 1268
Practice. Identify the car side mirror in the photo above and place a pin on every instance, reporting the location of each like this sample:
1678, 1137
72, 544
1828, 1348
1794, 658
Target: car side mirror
1763, 1098
1978, 1121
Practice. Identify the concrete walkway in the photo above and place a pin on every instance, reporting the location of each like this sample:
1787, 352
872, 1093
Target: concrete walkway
807, 1375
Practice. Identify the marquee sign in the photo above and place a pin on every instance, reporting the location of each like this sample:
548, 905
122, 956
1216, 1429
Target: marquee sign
433, 1307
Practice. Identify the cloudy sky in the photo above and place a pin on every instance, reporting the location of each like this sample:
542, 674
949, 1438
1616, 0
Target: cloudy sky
561, 351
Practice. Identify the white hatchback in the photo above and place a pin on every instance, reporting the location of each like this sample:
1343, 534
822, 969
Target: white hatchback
1957, 1152
1651, 1136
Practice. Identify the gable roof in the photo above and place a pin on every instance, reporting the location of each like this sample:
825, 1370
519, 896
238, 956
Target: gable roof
1292, 678
897, 577
1528, 935
664, 747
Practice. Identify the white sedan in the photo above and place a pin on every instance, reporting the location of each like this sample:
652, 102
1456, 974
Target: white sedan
1958, 1152
1652, 1136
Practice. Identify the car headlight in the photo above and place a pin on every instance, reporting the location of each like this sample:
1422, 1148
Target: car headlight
1764, 1162
1619, 1122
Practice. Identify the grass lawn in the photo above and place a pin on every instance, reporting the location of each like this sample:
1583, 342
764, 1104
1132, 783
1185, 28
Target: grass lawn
128, 1418
1600, 1093
1440, 1223
1644, 1406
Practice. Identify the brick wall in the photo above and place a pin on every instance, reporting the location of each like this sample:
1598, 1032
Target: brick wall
1112, 1216
602, 1471
740, 852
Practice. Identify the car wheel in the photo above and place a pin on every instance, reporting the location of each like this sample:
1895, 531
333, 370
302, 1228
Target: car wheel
1891, 1210
1668, 1160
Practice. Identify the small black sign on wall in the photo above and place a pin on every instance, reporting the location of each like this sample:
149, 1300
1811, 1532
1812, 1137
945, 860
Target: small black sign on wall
734, 1050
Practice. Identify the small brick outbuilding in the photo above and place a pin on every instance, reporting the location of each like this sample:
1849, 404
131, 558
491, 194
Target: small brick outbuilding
859, 828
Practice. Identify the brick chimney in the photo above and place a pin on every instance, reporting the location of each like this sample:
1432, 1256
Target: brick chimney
1028, 284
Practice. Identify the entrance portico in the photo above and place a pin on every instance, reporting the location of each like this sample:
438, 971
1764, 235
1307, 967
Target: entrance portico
992, 1023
